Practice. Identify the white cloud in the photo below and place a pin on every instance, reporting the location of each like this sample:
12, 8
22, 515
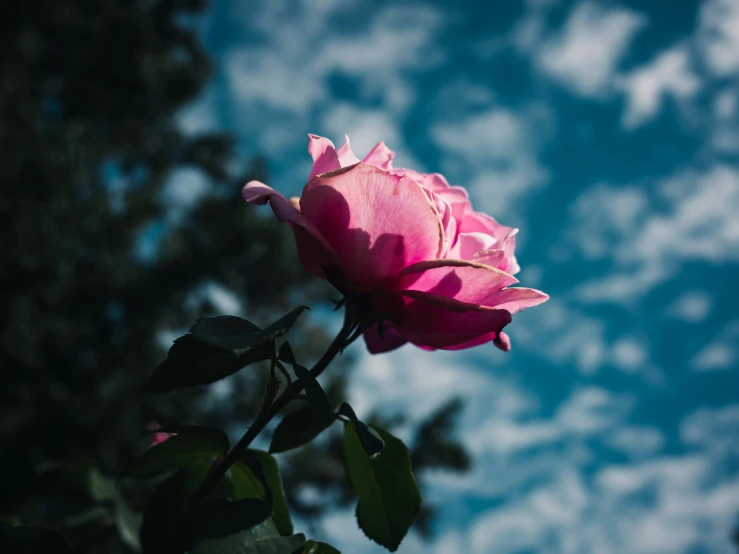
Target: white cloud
199, 116
183, 189
636, 441
721, 352
499, 147
629, 354
714, 356
712, 428
604, 214
592, 410
691, 306
725, 125
281, 82
718, 36
586, 53
690, 216
668, 74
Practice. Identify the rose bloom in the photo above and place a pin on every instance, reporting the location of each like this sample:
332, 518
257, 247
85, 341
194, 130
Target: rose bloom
433, 271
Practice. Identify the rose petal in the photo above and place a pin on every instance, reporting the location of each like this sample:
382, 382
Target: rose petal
473, 222
500, 340
448, 222
377, 223
492, 257
469, 244
428, 324
453, 281
324, 155
315, 253
380, 156
516, 299
390, 339
345, 154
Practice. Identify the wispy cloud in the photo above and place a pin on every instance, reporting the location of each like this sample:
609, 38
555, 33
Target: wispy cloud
584, 54
669, 74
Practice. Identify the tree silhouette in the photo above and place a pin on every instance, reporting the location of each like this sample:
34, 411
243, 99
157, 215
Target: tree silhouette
89, 91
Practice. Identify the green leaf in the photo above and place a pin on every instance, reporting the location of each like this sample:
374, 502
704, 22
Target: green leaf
191, 362
388, 497
296, 429
313, 547
228, 529
99, 487
31, 539
320, 407
286, 354
280, 512
282, 325
215, 348
163, 528
225, 331
371, 440
245, 483
178, 451
250, 482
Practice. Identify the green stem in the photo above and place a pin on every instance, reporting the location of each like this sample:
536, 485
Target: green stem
265, 416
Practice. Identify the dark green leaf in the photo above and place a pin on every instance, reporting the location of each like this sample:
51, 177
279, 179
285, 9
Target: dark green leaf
229, 529
254, 340
191, 363
99, 487
223, 518
388, 497
163, 528
371, 440
257, 475
313, 547
217, 347
226, 331
176, 452
282, 325
245, 483
280, 512
320, 407
31, 539
296, 429
286, 354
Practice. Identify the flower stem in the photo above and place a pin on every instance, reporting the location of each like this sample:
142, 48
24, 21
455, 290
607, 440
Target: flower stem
265, 416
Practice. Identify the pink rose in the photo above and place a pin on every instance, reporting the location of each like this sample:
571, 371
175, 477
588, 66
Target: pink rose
434, 271
157, 438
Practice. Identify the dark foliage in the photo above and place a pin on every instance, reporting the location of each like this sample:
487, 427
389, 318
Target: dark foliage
89, 90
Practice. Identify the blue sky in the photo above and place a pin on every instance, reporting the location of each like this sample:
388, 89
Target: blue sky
608, 132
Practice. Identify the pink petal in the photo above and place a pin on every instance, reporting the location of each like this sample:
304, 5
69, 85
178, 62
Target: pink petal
469, 244
492, 257
428, 324
390, 339
503, 341
453, 282
479, 222
345, 154
157, 438
380, 156
315, 253
516, 299
377, 223
324, 155
500, 340
509, 262
448, 222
